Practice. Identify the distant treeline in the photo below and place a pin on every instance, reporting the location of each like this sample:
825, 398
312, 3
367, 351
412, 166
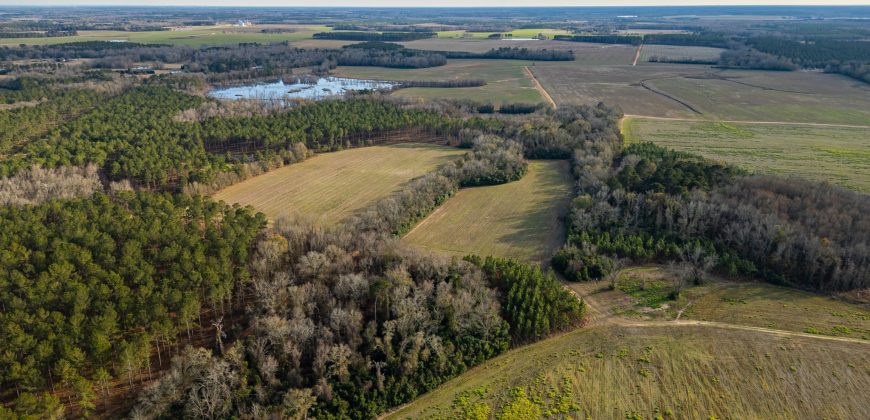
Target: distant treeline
847, 57
374, 36
46, 34
695, 40
508, 53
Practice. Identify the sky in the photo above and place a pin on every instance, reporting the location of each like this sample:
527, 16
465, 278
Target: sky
429, 3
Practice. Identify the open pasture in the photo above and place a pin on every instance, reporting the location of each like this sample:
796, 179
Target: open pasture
506, 80
192, 36
521, 219
331, 186
840, 155
672, 371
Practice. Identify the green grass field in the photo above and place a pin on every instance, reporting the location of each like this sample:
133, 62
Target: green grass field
520, 219
506, 81
837, 154
676, 372
331, 186
195, 37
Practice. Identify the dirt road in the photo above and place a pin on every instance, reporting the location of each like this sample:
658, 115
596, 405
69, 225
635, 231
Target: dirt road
540, 88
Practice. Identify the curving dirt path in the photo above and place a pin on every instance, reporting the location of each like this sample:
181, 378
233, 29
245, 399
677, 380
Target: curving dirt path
539, 87
598, 314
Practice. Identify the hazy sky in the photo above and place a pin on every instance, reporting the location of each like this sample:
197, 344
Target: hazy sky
431, 3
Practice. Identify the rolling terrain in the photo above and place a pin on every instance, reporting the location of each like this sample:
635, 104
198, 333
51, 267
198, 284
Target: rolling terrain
637, 361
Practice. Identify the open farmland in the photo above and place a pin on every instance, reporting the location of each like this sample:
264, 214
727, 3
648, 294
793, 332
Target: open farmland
771, 96
193, 36
506, 80
578, 83
696, 91
677, 52
674, 370
840, 155
520, 219
331, 186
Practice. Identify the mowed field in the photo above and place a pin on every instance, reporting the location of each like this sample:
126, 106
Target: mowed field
506, 80
521, 219
192, 36
673, 370
840, 155
331, 186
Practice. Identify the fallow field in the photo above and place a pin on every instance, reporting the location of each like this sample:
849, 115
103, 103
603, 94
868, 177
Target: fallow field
840, 155
521, 219
331, 186
672, 370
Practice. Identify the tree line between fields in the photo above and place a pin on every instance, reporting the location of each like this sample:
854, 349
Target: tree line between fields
110, 265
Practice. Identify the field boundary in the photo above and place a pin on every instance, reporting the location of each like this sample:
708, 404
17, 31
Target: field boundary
539, 87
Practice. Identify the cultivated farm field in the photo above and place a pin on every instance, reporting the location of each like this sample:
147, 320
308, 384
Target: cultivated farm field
676, 52
673, 371
521, 219
770, 96
506, 80
840, 155
331, 186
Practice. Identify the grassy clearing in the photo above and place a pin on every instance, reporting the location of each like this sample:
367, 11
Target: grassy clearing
670, 371
643, 293
195, 37
838, 154
331, 186
769, 306
520, 219
506, 81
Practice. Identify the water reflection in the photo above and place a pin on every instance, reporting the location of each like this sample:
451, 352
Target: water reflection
322, 88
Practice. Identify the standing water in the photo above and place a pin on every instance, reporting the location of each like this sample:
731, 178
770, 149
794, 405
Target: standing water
324, 87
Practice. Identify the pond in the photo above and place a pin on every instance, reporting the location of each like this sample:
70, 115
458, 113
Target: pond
324, 87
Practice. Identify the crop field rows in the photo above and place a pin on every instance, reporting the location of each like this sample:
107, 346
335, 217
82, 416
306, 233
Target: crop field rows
521, 219
331, 186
